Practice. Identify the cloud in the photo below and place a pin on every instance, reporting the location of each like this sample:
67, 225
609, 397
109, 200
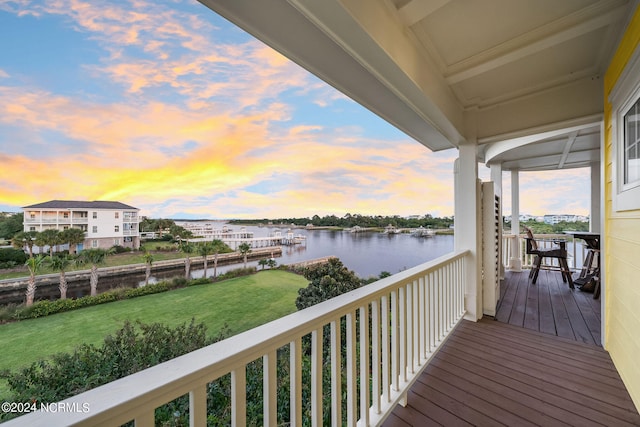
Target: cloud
179, 116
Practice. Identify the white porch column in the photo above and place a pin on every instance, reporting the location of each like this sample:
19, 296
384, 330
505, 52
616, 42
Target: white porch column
515, 264
594, 213
467, 226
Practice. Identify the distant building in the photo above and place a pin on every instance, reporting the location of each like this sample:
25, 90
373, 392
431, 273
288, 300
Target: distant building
524, 218
105, 223
555, 219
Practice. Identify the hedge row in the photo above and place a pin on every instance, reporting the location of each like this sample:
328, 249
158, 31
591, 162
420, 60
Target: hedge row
47, 307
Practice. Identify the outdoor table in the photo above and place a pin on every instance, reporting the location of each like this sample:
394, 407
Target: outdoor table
590, 269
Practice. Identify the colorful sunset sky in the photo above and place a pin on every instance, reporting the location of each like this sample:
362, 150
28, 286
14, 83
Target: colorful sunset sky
167, 107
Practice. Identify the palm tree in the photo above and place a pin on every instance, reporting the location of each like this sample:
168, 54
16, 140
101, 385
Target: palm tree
262, 263
188, 249
93, 257
24, 239
218, 246
73, 236
179, 232
205, 249
33, 264
272, 263
49, 237
245, 249
148, 259
61, 263
161, 224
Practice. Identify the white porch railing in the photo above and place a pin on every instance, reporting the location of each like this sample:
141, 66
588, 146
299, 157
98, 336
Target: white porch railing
576, 250
403, 319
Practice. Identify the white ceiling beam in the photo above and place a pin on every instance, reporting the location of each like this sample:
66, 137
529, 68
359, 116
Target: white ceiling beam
527, 44
417, 10
567, 148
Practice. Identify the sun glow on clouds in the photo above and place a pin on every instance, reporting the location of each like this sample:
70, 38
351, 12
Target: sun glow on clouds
186, 116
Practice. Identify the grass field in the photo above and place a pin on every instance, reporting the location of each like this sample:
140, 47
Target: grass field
243, 303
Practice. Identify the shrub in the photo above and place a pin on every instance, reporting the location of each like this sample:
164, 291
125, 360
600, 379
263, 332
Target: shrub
200, 281
328, 280
47, 307
120, 249
8, 264
178, 282
237, 272
146, 290
14, 255
128, 350
8, 312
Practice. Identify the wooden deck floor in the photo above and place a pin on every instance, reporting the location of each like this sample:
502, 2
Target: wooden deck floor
549, 306
538, 364
491, 373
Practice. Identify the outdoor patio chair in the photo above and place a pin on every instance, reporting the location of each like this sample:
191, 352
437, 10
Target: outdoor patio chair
559, 252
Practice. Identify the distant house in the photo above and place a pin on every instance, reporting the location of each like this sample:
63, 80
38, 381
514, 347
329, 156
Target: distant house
555, 219
105, 223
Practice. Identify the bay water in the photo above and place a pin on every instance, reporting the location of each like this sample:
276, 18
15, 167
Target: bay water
366, 253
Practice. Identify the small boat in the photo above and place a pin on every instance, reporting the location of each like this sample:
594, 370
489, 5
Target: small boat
423, 232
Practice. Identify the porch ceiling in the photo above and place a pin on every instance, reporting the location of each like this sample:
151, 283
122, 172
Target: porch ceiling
448, 71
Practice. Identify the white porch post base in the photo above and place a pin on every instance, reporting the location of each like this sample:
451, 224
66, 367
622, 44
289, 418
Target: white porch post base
515, 264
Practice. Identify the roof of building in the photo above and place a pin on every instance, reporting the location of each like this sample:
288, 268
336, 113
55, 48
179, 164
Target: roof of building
75, 204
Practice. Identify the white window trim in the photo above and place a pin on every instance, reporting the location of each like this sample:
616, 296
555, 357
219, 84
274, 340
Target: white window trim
625, 93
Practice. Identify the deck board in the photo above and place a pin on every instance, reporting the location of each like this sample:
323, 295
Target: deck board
537, 362
549, 306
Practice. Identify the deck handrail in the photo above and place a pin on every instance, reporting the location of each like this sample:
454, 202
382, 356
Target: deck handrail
411, 314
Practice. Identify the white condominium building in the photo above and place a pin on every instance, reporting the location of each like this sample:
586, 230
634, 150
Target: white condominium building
105, 223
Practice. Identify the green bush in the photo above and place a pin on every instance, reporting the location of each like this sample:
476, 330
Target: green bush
8, 255
47, 307
8, 312
8, 264
200, 281
237, 272
178, 282
146, 290
120, 249
129, 350
328, 280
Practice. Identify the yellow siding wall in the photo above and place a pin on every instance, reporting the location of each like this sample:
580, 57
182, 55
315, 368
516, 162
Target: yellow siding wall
622, 246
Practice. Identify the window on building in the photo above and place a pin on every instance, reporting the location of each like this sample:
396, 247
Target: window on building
94, 243
65, 215
32, 215
116, 228
32, 229
632, 144
116, 242
117, 215
625, 137
95, 215
94, 229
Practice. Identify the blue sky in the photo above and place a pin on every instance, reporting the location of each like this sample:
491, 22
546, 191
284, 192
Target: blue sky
168, 107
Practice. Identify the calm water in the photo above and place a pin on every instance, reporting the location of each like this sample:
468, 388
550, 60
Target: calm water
367, 254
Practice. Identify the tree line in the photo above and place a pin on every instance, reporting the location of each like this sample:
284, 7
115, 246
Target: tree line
349, 220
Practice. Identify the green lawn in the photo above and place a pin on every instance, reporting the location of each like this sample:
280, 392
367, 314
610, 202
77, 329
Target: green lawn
243, 303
